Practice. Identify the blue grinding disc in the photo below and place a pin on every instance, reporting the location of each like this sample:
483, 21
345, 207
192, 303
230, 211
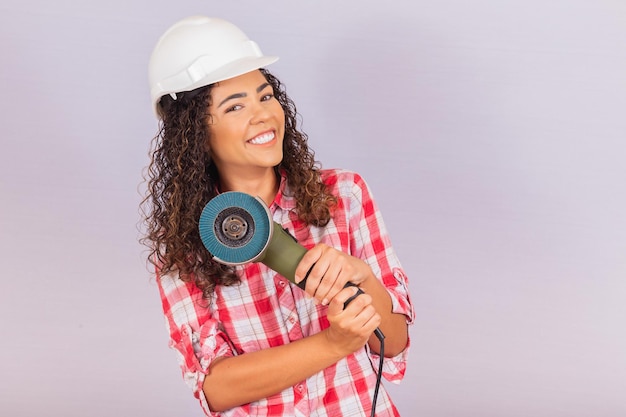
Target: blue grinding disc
235, 228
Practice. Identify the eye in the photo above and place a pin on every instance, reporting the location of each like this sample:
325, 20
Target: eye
233, 108
267, 97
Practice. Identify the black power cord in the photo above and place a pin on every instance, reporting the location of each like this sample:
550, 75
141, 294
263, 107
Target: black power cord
381, 338
380, 370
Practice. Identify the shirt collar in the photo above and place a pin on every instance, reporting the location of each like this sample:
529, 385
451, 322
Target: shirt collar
284, 198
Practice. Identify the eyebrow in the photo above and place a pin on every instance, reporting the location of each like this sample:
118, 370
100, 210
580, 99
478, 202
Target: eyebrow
241, 95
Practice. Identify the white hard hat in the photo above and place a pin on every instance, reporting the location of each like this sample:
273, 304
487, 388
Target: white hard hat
199, 51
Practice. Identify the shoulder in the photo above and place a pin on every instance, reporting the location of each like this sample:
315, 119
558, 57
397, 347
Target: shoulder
350, 189
342, 181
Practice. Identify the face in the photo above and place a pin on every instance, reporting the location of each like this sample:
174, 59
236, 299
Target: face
247, 126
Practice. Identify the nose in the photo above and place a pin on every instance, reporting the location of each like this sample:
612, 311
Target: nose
259, 113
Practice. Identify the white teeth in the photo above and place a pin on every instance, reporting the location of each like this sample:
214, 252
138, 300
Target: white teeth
259, 140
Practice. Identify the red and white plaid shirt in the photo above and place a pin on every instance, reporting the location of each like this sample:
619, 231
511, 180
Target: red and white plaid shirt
266, 310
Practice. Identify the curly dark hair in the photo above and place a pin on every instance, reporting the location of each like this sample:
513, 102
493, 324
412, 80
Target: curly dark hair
181, 179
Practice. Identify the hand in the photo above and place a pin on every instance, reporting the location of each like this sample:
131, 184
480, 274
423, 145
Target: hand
332, 269
350, 329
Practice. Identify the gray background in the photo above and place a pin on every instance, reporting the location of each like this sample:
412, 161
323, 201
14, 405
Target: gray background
491, 133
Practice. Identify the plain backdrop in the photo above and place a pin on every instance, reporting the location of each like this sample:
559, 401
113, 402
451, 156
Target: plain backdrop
492, 134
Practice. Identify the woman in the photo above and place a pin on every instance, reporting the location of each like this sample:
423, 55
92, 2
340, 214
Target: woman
248, 341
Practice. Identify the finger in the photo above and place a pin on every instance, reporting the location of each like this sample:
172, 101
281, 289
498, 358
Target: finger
366, 319
330, 284
315, 284
366, 313
358, 302
309, 259
336, 304
372, 321
315, 279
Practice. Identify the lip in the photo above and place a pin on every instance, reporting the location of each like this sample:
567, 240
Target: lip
264, 133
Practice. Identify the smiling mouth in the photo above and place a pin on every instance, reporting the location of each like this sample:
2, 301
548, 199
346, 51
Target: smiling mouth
262, 139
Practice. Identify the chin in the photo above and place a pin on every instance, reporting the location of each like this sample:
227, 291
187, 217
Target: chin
278, 160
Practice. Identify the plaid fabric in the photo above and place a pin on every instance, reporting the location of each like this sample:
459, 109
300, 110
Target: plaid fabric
266, 310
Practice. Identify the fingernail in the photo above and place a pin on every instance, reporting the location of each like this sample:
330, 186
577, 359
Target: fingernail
297, 279
324, 301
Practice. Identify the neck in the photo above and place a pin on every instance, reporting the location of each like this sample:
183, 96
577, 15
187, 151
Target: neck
264, 186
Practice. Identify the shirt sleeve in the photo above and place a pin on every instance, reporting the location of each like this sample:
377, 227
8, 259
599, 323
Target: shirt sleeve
194, 335
370, 241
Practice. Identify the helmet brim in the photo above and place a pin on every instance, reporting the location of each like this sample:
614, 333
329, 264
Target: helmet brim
231, 70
